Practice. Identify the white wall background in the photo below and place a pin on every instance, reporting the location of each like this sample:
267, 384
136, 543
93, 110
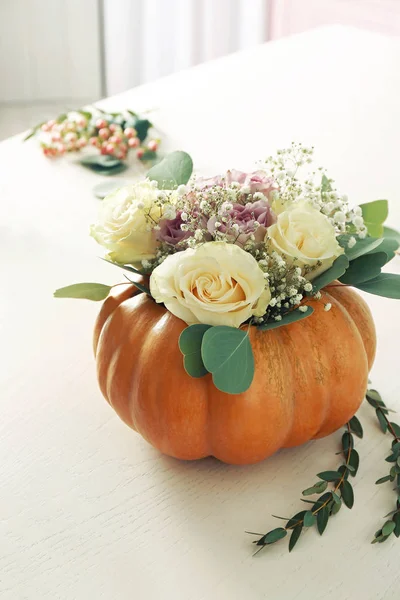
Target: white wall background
49, 50
146, 39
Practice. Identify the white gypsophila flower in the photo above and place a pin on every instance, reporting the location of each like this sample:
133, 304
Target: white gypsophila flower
181, 190
308, 287
184, 216
327, 306
357, 211
340, 217
358, 221
352, 242
154, 183
303, 309
318, 296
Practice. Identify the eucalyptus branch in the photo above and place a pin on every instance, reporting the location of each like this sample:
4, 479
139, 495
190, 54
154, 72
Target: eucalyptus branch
329, 503
393, 524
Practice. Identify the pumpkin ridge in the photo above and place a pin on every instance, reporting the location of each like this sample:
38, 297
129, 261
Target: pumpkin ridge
349, 367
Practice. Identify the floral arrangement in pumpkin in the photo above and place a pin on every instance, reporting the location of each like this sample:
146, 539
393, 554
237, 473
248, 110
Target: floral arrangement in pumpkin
241, 250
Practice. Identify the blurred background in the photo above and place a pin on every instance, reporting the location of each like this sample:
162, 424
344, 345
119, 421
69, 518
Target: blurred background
62, 54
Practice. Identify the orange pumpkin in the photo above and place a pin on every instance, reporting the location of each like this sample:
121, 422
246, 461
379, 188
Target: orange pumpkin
310, 378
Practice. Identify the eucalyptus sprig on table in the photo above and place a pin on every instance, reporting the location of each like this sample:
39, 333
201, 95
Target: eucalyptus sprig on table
393, 524
328, 503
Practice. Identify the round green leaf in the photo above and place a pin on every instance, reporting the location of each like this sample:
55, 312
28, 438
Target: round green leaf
388, 527
309, 519
190, 345
273, 536
174, 170
347, 493
336, 270
364, 268
87, 291
227, 354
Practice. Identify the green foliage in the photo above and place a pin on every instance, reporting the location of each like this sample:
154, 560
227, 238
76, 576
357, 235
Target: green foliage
190, 342
364, 268
329, 503
375, 214
227, 354
103, 164
361, 247
336, 270
142, 127
385, 284
392, 234
290, 317
174, 170
393, 525
329, 475
356, 427
87, 291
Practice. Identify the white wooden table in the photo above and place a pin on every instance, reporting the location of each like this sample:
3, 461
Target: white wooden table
88, 510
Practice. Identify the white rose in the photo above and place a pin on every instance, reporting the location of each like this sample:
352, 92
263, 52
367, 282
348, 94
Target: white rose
304, 236
126, 221
216, 284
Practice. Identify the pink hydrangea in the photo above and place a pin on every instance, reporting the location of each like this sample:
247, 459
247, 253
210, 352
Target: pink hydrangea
242, 219
253, 182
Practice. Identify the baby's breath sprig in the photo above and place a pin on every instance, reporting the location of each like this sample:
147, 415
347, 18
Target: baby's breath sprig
328, 503
392, 525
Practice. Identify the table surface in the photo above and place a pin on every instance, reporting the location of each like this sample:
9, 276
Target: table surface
88, 510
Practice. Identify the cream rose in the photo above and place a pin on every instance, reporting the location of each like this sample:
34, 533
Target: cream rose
126, 221
216, 284
304, 236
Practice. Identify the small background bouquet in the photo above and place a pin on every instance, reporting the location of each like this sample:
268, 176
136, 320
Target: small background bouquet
110, 136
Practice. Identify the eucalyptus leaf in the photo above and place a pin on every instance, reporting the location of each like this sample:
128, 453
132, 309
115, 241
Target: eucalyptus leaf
347, 493
396, 428
375, 214
389, 246
227, 354
329, 475
142, 127
190, 345
138, 285
322, 519
309, 519
388, 527
296, 519
396, 519
364, 268
336, 506
124, 267
383, 480
334, 272
347, 442
382, 420
318, 488
354, 461
272, 536
356, 427
103, 164
295, 536
361, 247
290, 317
87, 291
390, 233
174, 170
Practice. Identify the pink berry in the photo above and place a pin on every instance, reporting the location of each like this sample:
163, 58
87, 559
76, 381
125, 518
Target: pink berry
139, 153
81, 143
45, 127
101, 123
51, 123
130, 132
152, 145
81, 123
104, 133
94, 141
110, 148
133, 142
71, 137
103, 150
46, 151
113, 127
60, 148
56, 137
